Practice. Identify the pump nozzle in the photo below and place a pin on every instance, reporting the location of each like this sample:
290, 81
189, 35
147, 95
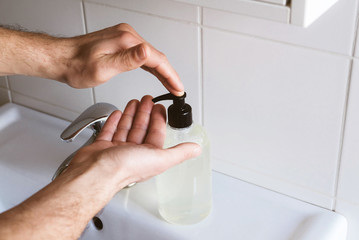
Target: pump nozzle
179, 113
178, 101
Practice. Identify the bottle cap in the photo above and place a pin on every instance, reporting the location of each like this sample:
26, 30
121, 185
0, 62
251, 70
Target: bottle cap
179, 113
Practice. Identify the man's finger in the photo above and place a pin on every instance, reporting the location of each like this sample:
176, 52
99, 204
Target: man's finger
141, 122
157, 62
164, 81
129, 59
157, 129
110, 127
180, 153
125, 124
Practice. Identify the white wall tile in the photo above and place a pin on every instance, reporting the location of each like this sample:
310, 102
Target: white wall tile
276, 111
164, 8
348, 189
3, 82
179, 41
4, 96
351, 213
52, 92
44, 107
334, 31
61, 18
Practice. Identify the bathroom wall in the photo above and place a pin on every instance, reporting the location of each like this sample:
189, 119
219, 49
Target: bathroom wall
280, 102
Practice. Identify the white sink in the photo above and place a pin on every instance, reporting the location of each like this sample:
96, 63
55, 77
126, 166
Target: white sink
31, 151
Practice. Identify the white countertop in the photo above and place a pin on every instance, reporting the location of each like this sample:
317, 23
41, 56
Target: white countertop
31, 151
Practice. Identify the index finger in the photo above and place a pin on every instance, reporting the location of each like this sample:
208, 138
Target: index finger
109, 129
158, 64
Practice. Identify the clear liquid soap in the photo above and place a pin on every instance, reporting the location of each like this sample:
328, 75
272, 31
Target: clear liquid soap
185, 190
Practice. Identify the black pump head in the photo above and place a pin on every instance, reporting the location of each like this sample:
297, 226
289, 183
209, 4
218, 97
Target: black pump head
179, 113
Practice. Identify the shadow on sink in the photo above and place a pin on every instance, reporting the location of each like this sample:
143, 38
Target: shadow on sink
136, 217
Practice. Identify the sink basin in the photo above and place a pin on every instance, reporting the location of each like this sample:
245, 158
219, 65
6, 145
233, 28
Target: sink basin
31, 151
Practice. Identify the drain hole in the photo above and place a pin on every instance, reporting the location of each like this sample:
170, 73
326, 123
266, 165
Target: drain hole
98, 223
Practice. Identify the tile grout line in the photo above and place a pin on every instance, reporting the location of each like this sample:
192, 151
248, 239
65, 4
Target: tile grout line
224, 30
342, 133
201, 63
279, 192
273, 177
45, 102
356, 32
345, 113
84, 16
278, 41
141, 12
8, 89
86, 32
176, 19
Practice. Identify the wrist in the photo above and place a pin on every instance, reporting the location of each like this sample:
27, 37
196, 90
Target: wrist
111, 169
58, 53
97, 170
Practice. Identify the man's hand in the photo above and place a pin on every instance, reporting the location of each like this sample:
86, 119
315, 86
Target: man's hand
130, 144
84, 61
103, 54
128, 149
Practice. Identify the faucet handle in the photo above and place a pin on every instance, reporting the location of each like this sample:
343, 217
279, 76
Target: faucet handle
95, 114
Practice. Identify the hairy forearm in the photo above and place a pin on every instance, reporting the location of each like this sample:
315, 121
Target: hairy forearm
61, 210
33, 54
84, 61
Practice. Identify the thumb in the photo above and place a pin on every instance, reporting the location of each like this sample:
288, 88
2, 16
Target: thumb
181, 152
131, 58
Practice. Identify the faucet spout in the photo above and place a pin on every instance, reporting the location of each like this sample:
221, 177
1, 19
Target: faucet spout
94, 117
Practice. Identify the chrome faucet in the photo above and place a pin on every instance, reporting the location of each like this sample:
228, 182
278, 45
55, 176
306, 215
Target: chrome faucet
93, 117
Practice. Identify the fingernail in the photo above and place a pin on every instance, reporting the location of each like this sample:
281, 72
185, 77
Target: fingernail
181, 87
178, 94
141, 54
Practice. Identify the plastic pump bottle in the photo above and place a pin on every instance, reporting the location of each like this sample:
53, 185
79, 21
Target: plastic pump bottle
185, 190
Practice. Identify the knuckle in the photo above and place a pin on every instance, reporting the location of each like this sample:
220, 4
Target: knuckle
146, 47
139, 126
125, 36
123, 27
162, 57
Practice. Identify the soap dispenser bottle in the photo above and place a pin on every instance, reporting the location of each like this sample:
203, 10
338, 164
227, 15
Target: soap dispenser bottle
185, 190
